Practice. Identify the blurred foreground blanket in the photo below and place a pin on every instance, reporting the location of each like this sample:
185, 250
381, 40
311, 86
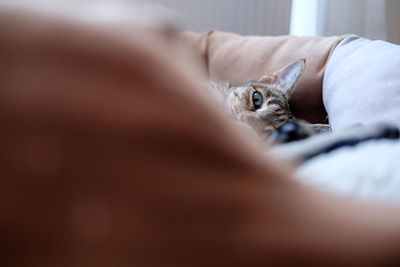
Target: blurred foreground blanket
113, 155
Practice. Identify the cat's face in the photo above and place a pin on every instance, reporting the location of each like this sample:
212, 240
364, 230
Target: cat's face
263, 104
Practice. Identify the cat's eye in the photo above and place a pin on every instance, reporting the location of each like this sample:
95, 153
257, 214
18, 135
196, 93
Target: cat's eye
257, 100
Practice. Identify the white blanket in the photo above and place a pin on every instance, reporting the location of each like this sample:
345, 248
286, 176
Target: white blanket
369, 171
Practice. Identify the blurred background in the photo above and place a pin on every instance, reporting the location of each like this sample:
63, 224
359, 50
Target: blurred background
375, 19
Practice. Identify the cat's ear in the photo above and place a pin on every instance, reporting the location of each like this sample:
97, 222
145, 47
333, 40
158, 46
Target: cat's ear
287, 77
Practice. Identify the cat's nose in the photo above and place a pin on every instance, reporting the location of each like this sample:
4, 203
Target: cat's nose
290, 131
391, 132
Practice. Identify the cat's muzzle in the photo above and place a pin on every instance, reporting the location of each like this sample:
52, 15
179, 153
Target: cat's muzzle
291, 131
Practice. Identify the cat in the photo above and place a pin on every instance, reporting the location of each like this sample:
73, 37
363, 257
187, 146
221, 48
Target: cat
264, 104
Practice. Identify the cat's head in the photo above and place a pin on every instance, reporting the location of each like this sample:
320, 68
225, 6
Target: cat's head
263, 104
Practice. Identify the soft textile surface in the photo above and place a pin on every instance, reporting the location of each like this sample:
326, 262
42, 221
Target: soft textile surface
238, 59
362, 83
112, 155
368, 172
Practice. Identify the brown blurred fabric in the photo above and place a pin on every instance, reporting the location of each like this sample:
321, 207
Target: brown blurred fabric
239, 59
112, 155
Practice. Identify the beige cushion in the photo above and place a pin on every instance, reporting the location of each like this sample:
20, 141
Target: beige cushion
239, 59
